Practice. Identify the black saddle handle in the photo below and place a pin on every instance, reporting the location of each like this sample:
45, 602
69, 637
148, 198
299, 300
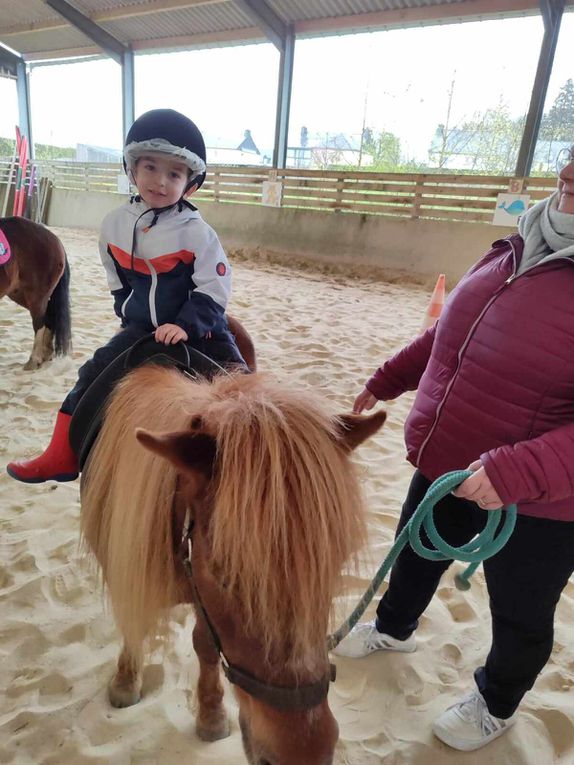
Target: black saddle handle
181, 355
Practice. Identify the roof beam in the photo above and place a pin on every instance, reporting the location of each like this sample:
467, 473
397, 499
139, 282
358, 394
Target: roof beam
552, 15
469, 10
266, 19
128, 92
465, 10
41, 56
107, 42
24, 112
16, 67
111, 14
284, 102
182, 42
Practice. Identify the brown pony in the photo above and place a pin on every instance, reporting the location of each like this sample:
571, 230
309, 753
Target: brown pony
37, 277
263, 475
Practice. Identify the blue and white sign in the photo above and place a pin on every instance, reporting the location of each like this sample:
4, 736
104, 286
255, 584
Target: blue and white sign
509, 208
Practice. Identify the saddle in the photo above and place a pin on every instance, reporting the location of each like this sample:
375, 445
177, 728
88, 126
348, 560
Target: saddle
89, 413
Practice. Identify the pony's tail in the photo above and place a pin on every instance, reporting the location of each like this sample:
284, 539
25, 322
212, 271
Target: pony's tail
58, 317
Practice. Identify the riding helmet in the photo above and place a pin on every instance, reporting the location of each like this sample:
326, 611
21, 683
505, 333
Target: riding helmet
167, 132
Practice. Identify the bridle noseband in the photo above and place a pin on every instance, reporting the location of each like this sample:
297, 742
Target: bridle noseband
297, 699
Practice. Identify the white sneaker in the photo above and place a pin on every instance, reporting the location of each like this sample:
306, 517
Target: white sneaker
468, 724
365, 638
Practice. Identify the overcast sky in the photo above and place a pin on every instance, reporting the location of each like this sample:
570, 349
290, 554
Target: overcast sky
398, 81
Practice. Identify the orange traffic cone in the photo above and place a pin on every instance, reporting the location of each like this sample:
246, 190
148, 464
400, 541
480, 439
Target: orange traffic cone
436, 303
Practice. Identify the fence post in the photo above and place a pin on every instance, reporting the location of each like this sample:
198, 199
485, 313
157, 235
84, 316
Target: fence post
517, 185
216, 177
418, 197
339, 195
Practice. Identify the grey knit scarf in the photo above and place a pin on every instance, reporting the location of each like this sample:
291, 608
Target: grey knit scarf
547, 233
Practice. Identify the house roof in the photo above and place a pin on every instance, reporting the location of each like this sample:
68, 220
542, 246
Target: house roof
36, 31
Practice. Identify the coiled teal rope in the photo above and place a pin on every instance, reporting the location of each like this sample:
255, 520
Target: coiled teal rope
483, 546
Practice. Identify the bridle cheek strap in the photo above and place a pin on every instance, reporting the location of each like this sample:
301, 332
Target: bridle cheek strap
300, 698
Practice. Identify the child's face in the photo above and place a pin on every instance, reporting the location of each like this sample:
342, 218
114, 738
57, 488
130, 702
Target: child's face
161, 181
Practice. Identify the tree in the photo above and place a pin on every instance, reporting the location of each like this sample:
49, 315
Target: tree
558, 124
385, 149
556, 128
42, 151
448, 138
487, 143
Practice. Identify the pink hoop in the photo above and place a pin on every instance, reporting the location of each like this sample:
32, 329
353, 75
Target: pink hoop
4, 249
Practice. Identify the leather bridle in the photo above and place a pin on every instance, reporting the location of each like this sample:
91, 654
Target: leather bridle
292, 699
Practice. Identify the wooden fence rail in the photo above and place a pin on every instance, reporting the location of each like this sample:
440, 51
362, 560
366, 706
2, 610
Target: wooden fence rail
403, 195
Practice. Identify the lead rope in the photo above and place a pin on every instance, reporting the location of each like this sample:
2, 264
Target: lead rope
480, 548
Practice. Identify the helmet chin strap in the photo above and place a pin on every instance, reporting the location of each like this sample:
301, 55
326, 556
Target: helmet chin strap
192, 182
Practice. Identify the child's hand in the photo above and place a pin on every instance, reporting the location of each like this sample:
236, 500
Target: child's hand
365, 400
477, 488
169, 334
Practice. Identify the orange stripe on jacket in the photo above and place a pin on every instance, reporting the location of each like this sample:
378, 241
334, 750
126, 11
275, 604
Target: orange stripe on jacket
161, 264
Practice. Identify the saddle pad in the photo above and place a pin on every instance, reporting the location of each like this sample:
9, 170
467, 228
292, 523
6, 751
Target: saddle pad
4, 249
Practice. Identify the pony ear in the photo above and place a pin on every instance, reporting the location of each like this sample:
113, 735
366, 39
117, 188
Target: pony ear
188, 451
353, 429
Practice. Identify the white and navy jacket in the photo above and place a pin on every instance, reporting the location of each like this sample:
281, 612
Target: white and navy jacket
165, 266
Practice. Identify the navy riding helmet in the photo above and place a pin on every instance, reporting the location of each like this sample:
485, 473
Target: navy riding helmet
168, 132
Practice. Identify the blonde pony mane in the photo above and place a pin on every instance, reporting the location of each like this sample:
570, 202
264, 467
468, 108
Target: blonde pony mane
287, 510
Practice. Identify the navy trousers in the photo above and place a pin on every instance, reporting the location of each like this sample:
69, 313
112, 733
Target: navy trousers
223, 350
524, 580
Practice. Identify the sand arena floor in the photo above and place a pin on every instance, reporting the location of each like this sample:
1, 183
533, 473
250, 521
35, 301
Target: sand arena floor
58, 643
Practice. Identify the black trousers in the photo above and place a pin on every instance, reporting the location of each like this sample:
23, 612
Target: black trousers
223, 351
524, 580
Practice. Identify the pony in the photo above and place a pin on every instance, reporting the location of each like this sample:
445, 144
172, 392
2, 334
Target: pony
240, 498
37, 277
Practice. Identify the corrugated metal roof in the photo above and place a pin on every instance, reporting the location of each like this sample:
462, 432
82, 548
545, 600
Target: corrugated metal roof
201, 20
15, 13
293, 10
35, 30
63, 38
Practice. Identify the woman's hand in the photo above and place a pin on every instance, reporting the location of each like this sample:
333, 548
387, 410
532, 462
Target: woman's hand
477, 488
169, 334
365, 400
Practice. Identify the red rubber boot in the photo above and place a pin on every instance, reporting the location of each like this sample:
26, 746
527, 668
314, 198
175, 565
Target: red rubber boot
57, 463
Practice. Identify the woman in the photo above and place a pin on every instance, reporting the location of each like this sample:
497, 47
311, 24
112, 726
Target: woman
495, 380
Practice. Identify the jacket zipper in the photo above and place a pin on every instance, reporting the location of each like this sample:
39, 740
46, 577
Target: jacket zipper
124, 304
460, 354
153, 272
152, 291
